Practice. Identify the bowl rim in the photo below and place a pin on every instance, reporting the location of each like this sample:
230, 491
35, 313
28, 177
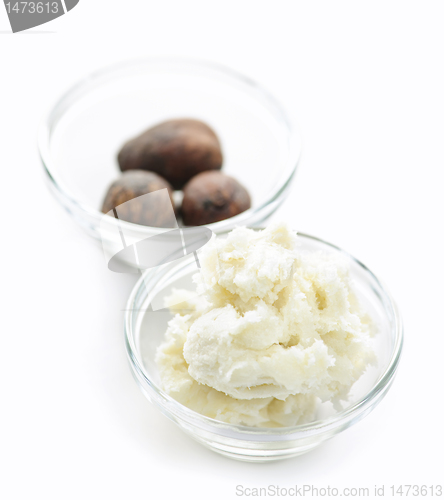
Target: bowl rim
171, 406
209, 69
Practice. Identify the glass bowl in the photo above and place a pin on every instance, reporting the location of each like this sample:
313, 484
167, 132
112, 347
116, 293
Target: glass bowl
81, 136
145, 325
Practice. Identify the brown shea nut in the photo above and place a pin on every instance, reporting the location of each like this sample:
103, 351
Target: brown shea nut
135, 183
175, 149
213, 196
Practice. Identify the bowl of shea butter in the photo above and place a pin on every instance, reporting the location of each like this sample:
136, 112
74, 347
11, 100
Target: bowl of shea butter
264, 343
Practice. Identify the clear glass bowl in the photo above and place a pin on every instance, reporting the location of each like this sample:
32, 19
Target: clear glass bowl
80, 138
145, 325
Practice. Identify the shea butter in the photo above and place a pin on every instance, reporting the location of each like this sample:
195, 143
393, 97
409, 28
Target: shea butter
268, 333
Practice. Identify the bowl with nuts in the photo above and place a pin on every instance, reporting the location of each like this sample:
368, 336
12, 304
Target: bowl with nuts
148, 145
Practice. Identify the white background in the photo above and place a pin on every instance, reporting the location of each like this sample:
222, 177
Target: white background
365, 82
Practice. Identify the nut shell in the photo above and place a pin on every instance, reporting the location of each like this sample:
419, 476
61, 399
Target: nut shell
133, 184
211, 197
175, 149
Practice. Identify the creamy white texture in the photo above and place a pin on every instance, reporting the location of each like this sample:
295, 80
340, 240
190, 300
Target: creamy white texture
268, 332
